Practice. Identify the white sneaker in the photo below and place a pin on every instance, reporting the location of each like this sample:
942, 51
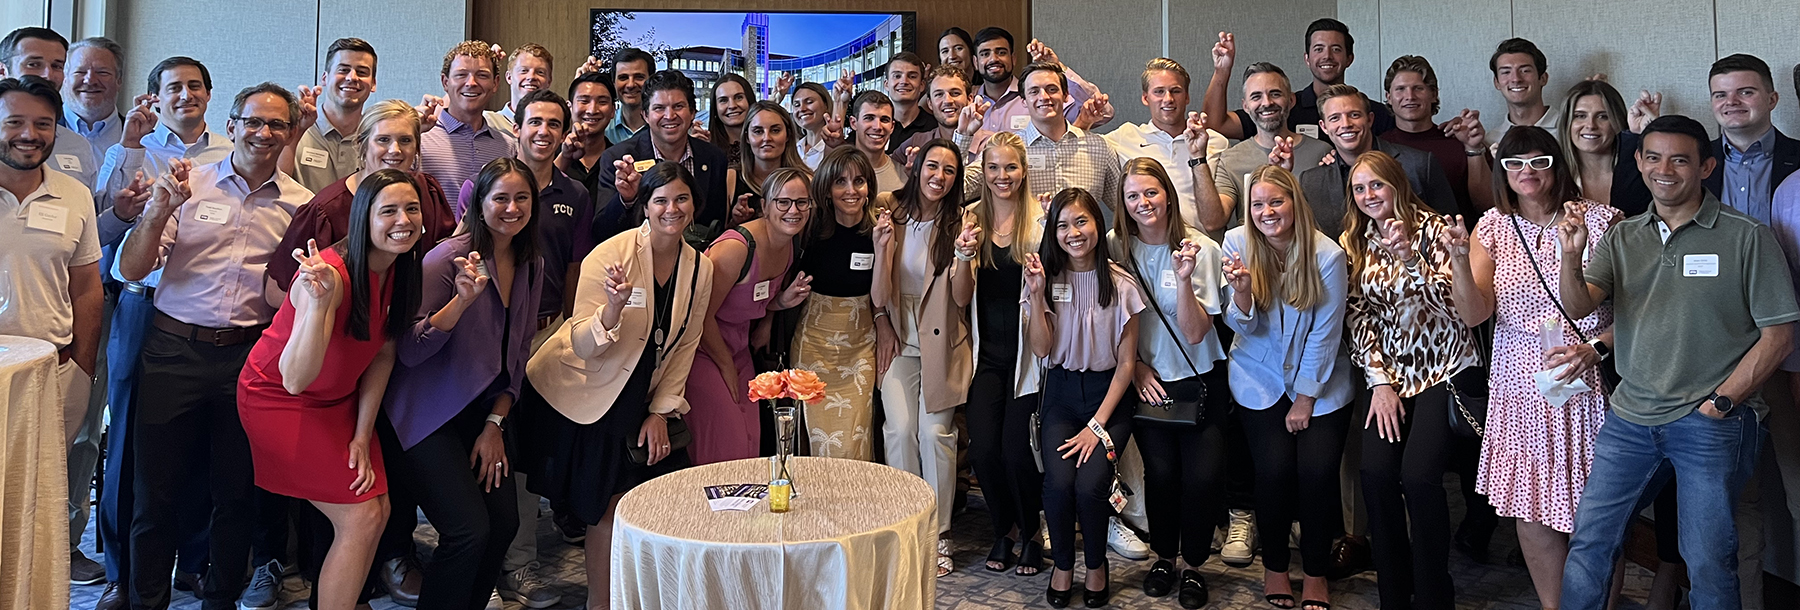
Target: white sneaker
494, 602
1239, 549
1124, 541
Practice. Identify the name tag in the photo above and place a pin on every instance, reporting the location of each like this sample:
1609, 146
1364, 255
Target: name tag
760, 292
1700, 265
1310, 131
1060, 293
637, 299
1036, 161
313, 157
644, 166
44, 218
216, 213
862, 262
1019, 123
68, 163
1168, 278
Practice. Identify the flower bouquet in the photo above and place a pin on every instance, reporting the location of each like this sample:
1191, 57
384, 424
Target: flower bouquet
798, 384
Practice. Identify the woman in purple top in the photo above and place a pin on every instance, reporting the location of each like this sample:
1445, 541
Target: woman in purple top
751, 259
459, 372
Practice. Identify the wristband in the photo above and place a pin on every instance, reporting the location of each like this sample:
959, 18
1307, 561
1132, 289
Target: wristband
1474, 153
962, 257
1105, 439
881, 313
499, 421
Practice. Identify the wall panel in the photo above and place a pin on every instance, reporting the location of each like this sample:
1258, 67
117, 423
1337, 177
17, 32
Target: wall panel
1640, 44
1108, 48
1194, 27
276, 46
1765, 28
1460, 60
410, 44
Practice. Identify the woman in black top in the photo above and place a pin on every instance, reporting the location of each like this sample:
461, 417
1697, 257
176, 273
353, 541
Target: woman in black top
1598, 140
840, 337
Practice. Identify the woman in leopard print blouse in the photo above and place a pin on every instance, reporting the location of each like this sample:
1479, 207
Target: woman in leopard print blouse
1409, 332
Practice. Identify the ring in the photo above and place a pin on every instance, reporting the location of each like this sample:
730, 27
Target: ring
497, 464
665, 446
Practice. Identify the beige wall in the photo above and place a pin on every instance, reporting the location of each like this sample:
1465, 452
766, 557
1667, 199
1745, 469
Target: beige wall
285, 41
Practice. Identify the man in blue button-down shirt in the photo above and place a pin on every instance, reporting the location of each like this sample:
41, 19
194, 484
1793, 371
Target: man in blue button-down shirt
1754, 156
91, 93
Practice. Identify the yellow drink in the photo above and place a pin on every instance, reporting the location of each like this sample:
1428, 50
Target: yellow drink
779, 493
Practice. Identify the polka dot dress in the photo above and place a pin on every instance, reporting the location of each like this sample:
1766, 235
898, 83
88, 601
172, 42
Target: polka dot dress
1535, 457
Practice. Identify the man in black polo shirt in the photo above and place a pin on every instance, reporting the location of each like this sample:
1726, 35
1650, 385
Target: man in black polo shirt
1330, 49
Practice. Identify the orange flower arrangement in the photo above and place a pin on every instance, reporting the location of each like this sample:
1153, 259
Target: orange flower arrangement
768, 386
804, 385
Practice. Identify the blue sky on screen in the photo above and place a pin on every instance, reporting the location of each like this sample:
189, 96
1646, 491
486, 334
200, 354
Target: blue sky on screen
789, 33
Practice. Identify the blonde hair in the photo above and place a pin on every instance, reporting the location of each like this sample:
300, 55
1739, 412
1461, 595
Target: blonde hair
984, 208
473, 49
1408, 209
1295, 277
385, 110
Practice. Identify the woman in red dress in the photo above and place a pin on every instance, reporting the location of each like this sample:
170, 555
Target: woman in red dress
310, 389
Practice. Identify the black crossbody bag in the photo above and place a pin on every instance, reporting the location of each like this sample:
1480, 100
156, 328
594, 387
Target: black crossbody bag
1609, 370
1186, 401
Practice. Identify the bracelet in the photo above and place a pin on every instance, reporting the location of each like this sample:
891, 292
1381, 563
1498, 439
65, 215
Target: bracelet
499, 421
963, 257
880, 313
1474, 153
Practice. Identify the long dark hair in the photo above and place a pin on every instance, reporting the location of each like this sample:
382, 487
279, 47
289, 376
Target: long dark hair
948, 215
1520, 141
354, 249
525, 245
721, 136
660, 175
1050, 249
835, 162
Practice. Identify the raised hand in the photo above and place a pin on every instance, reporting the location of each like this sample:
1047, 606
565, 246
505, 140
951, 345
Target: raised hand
1455, 239
968, 120
574, 145
834, 130
1644, 109
316, 280
625, 179
1041, 52
741, 212
592, 64
1572, 232
1466, 128
1044, 203
1092, 111
843, 89
699, 132
969, 240
1034, 274
1185, 259
1396, 241
1236, 274
1224, 52
884, 229
428, 111
309, 112
912, 156
140, 120
795, 293
470, 279
1197, 135
1282, 155
1599, 76
618, 288
129, 202
170, 191
784, 83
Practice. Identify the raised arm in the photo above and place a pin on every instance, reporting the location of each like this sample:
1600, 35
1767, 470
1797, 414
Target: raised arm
1208, 208
1213, 104
880, 291
1472, 273
1193, 268
1041, 323
1579, 297
318, 294
962, 271
143, 249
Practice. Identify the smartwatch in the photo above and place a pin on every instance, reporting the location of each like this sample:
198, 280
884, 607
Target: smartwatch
1601, 348
1721, 404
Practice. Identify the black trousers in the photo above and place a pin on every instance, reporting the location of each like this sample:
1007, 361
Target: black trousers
1071, 398
1000, 448
186, 421
1403, 483
474, 525
1184, 475
1288, 463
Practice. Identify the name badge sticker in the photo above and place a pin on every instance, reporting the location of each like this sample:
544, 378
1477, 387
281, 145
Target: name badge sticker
68, 163
1310, 131
1169, 278
638, 299
645, 165
1036, 161
1060, 293
313, 157
761, 292
45, 218
1700, 265
862, 262
216, 213
1019, 123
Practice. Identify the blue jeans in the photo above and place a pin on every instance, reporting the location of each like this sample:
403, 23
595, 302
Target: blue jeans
1711, 458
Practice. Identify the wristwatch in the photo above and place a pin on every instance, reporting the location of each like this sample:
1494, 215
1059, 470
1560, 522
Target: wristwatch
1721, 404
497, 420
1601, 348
1196, 161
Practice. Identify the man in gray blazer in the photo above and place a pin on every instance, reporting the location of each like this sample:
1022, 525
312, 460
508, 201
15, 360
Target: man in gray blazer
1347, 124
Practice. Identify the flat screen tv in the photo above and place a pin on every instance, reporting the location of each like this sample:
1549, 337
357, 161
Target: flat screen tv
759, 46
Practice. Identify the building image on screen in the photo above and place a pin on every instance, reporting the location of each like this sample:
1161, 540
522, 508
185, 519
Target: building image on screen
815, 47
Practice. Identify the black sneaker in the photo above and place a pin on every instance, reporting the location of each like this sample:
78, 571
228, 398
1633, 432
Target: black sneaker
1161, 579
573, 530
84, 571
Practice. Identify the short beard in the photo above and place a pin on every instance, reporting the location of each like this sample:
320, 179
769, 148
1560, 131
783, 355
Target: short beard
1000, 80
12, 161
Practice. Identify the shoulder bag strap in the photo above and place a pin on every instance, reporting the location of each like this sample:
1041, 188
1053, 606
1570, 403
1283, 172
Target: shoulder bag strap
1543, 282
1151, 297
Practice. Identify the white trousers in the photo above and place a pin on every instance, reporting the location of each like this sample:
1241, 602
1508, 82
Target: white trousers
915, 441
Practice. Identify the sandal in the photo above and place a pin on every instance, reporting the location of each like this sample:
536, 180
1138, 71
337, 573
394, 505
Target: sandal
945, 565
1031, 559
1279, 600
1001, 558
1313, 604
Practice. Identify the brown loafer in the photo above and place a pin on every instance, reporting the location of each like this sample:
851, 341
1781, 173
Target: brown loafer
400, 577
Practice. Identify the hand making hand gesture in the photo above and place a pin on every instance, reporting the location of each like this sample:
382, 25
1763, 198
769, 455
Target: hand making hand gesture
316, 281
625, 179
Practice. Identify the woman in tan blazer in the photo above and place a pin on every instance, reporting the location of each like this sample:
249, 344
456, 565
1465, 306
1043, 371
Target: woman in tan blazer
605, 390
914, 267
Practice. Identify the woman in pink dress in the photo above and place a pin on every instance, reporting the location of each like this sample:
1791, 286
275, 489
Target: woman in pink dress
310, 388
1535, 454
752, 259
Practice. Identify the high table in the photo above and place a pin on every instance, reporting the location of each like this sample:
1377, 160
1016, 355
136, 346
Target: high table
860, 536
34, 484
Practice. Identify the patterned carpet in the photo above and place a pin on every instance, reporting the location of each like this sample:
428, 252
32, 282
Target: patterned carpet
1495, 585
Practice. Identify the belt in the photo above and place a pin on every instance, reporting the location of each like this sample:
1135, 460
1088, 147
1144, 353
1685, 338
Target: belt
140, 289
544, 322
218, 337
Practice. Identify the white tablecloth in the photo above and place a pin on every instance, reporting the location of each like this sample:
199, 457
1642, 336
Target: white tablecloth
861, 536
34, 484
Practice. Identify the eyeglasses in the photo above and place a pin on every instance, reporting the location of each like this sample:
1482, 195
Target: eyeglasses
254, 124
1515, 164
789, 204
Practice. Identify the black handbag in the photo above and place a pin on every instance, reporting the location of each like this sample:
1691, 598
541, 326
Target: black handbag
1609, 370
1186, 403
679, 437
1468, 409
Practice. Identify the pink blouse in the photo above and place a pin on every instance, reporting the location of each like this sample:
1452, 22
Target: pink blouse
1088, 335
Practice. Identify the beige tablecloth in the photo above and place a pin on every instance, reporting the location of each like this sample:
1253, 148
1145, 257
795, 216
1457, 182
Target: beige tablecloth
34, 484
861, 536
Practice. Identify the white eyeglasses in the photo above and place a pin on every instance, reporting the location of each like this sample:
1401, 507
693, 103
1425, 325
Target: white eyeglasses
1514, 164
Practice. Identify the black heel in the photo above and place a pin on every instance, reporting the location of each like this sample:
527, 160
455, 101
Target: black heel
1058, 599
1097, 599
1031, 558
1002, 554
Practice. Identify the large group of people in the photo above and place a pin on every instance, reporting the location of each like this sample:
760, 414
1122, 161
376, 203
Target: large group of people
1162, 337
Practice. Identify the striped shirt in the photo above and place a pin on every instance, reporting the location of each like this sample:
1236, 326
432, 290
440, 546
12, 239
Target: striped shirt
1081, 160
454, 151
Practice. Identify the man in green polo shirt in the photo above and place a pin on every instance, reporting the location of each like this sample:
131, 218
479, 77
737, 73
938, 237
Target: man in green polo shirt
1703, 306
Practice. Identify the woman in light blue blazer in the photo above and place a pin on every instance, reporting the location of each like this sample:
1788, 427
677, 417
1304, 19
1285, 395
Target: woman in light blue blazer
1288, 284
